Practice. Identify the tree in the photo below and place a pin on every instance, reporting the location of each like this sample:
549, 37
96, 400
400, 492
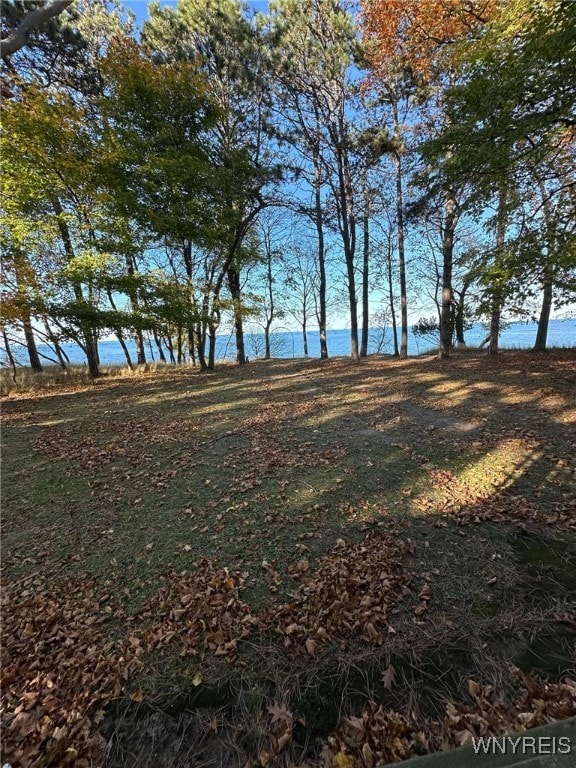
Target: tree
302, 287
264, 278
33, 19
58, 213
226, 46
315, 43
516, 101
64, 53
381, 144
511, 121
419, 35
159, 155
45, 153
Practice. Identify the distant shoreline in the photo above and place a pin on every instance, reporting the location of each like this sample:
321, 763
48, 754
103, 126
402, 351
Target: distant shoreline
289, 344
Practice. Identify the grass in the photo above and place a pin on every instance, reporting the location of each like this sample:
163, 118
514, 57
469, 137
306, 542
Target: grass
258, 469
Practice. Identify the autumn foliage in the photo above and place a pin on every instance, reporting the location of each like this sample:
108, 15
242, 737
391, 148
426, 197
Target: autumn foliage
417, 32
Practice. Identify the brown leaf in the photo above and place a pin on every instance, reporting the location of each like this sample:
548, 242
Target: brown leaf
137, 696
311, 646
372, 633
280, 713
389, 676
474, 688
368, 756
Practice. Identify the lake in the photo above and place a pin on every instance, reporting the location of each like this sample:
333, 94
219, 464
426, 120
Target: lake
286, 344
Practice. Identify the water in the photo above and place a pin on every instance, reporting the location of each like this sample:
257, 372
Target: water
561, 333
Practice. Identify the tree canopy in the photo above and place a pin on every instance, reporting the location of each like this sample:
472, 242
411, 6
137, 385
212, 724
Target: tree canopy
421, 153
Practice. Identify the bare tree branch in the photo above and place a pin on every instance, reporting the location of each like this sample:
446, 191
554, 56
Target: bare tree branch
19, 38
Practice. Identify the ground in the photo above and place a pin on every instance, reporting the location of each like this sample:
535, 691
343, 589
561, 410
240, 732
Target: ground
293, 563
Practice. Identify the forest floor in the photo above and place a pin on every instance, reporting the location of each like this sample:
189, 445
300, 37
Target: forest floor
292, 563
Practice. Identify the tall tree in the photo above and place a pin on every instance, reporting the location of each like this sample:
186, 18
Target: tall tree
226, 45
46, 184
511, 118
159, 154
315, 41
419, 35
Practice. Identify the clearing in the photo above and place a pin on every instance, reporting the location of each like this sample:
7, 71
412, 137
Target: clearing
292, 563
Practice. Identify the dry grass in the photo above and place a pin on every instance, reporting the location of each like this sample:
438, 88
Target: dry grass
265, 468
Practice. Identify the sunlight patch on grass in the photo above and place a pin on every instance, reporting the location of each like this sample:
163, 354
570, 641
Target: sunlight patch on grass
447, 387
565, 417
53, 422
516, 397
501, 466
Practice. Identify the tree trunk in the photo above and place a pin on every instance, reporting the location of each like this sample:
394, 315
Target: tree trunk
151, 350
88, 333
354, 351
125, 349
450, 220
548, 277
319, 222
62, 358
496, 313
270, 287
201, 345
401, 255
544, 319
365, 274
158, 343
201, 351
92, 358
33, 355
140, 350
460, 313
20, 270
211, 348
9, 354
495, 316
347, 225
191, 346
391, 301
235, 292
459, 322
170, 348
119, 334
138, 335
189, 265
267, 350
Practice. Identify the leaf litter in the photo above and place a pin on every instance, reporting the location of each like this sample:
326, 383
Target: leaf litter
61, 669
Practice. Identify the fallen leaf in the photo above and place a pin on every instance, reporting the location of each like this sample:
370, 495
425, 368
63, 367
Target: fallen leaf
137, 696
389, 676
311, 646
